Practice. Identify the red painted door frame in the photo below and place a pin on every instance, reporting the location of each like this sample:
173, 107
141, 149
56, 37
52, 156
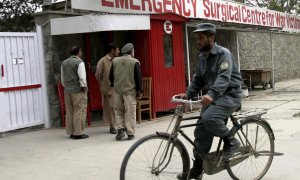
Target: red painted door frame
94, 93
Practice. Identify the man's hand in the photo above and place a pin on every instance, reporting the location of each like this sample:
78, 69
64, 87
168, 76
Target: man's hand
139, 96
206, 100
182, 96
84, 89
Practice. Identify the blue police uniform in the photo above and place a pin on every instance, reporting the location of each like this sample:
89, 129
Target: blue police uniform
220, 74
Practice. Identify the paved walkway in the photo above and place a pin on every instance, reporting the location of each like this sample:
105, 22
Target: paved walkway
49, 154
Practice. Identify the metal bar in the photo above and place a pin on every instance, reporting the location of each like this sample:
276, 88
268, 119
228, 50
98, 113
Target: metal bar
191, 118
2, 70
186, 137
188, 125
187, 53
18, 88
238, 50
272, 62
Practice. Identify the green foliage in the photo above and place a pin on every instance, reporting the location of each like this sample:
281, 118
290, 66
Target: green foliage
287, 6
275, 6
16, 15
298, 9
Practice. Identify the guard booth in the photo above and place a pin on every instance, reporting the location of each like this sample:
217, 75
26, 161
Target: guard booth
164, 59
22, 85
160, 52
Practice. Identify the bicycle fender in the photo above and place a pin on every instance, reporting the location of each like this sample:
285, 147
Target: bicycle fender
163, 134
265, 123
172, 138
269, 126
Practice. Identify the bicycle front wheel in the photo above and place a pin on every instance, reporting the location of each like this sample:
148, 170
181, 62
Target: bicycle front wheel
255, 155
155, 157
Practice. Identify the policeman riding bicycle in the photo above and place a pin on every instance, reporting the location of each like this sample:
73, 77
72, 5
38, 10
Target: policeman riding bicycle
219, 73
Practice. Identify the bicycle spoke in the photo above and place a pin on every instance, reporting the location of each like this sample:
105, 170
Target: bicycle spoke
154, 157
259, 149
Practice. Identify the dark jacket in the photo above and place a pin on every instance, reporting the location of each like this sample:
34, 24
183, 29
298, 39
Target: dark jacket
219, 72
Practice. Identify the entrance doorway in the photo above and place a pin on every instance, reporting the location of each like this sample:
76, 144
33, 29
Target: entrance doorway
96, 45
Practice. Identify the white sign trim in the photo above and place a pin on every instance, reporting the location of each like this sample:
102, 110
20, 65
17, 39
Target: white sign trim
216, 10
96, 23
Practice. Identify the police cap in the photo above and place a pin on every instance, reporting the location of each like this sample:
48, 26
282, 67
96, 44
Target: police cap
127, 48
205, 27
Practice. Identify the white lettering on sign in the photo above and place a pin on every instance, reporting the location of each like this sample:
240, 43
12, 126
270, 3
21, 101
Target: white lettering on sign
168, 27
217, 10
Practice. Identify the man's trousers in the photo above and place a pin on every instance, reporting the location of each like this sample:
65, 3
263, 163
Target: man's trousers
76, 105
108, 109
125, 111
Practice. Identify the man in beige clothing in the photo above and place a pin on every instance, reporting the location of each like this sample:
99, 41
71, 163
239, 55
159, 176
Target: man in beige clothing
102, 76
126, 77
73, 78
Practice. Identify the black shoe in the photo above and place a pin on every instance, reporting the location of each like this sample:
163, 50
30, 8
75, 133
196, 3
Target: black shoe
130, 137
82, 136
195, 173
231, 145
71, 136
112, 130
120, 134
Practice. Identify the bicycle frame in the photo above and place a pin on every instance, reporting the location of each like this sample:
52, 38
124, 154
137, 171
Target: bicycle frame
178, 128
162, 159
169, 153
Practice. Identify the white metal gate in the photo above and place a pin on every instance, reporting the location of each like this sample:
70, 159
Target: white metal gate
22, 95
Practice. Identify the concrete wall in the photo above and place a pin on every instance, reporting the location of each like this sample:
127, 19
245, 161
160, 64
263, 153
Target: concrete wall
56, 49
256, 52
286, 50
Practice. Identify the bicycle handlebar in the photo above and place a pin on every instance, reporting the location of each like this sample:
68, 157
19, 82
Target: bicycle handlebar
176, 98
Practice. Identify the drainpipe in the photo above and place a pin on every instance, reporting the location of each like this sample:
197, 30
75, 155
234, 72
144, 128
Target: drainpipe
187, 53
272, 61
238, 51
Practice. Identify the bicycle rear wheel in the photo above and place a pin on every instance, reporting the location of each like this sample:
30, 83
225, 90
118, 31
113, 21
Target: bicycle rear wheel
254, 157
155, 157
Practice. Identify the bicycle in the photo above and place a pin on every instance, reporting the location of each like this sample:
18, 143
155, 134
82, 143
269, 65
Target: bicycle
162, 155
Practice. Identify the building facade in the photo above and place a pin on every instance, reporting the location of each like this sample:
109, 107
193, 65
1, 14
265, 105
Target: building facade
165, 46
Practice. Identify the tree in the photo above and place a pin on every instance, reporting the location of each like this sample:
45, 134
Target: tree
16, 15
287, 6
